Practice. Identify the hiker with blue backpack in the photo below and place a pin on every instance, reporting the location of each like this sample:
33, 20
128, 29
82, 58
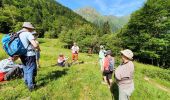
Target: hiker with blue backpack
23, 44
29, 59
108, 68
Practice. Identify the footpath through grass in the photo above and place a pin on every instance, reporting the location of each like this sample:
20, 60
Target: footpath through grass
79, 82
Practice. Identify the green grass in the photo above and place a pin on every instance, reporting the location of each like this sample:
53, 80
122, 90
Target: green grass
79, 82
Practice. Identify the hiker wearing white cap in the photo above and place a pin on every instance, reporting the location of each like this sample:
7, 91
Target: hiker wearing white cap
75, 52
101, 56
124, 75
29, 59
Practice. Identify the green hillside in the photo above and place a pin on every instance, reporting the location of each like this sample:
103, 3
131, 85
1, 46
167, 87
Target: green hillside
48, 16
95, 17
82, 82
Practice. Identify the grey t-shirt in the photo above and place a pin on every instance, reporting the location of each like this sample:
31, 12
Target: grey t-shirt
26, 37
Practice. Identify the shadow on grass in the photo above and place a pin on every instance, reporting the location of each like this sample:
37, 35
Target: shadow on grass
50, 77
114, 91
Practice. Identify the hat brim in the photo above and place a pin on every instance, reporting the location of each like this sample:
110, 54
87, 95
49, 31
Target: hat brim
125, 55
28, 27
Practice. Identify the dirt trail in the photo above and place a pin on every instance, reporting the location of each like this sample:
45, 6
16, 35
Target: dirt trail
157, 84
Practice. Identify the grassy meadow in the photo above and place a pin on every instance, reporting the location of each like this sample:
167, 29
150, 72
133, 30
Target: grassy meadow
81, 81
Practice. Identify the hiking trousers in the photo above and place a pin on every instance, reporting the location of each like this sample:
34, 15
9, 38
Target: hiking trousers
30, 70
126, 91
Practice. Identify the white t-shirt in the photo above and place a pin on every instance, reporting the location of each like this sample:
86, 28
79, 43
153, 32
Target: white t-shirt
26, 37
75, 49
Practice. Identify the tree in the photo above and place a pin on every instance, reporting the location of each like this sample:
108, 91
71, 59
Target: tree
106, 28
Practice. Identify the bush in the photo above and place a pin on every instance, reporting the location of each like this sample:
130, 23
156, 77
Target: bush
162, 74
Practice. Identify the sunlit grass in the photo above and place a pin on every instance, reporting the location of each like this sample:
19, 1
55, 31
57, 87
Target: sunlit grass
79, 82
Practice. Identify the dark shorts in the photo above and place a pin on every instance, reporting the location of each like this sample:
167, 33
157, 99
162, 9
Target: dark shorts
61, 64
108, 74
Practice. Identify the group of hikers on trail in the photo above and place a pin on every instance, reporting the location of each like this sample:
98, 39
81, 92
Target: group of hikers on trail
123, 74
24, 45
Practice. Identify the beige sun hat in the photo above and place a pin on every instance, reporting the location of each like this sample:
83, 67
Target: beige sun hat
127, 53
28, 25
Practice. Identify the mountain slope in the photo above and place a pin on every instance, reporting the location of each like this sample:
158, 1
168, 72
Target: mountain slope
48, 16
95, 17
81, 81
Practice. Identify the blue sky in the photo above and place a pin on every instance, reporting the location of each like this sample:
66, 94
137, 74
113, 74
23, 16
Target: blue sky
106, 7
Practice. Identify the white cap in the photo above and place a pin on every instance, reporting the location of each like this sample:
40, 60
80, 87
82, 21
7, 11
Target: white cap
127, 53
101, 46
28, 25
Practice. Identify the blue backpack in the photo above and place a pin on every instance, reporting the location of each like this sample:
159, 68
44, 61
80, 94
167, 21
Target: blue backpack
13, 45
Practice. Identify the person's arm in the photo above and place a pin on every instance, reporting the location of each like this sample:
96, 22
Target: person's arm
77, 49
118, 73
32, 40
35, 45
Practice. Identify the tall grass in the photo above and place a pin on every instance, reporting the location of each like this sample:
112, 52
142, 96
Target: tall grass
78, 82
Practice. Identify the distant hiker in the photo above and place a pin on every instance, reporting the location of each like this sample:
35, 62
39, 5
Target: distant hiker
37, 50
108, 67
101, 56
75, 51
90, 52
124, 75
61, 61
10, 69
29, 59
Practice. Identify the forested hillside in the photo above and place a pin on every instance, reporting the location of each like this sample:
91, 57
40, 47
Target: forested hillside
148, 33
51, 19
95, 17
48, 16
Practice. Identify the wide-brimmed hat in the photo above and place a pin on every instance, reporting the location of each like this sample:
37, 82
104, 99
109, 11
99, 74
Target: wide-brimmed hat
28, 25
127, 53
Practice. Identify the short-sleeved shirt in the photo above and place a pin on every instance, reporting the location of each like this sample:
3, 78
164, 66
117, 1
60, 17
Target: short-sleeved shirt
75, 49
125, 71
101, 54
26, 37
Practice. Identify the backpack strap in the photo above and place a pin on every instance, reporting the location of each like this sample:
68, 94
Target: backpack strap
20, 39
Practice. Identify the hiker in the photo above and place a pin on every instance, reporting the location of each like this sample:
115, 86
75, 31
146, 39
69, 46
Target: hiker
108, 66
75, 51
37, 51
29, 59
90, 52
61, 61
101, 56
10, 69
124, 75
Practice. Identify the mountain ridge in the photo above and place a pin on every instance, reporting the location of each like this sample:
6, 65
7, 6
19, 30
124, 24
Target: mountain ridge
92, 15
